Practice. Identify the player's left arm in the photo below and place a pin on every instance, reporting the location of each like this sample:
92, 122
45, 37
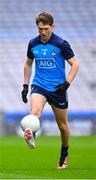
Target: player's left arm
74, 69
68, 54
71, 74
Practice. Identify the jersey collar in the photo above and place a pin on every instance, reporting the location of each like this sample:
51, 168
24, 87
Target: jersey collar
50, 39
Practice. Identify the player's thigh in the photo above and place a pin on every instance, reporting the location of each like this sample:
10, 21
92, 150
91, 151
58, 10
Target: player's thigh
37, 102
61, 115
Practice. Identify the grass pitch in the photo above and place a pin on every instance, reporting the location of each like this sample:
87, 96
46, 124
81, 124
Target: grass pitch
17, 161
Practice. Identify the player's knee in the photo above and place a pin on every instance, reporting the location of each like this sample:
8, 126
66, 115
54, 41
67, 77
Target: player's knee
64, 127
36, 111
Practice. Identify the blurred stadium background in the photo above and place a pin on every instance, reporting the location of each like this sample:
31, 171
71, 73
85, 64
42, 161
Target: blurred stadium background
76, 22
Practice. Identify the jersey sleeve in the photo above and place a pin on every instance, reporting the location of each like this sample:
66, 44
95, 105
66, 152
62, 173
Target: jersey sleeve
67, 52
29, 51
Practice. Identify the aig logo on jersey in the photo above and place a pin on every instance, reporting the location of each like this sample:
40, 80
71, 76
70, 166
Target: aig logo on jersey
46, 63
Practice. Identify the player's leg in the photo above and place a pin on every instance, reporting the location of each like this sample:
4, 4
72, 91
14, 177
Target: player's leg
62, 121
37, 102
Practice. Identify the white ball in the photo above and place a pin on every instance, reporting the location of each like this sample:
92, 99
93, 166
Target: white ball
30, 121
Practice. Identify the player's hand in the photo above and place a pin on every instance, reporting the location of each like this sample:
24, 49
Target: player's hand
63, 86
25, 92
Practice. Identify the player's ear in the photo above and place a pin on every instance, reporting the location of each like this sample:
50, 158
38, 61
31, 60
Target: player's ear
53, 25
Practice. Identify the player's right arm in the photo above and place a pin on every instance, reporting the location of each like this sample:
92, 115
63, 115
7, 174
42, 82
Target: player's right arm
27, 76
27, 70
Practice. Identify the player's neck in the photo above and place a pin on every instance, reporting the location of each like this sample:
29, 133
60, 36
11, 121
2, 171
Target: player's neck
46, 40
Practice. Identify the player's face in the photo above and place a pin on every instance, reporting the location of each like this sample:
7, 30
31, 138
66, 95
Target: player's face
45, 31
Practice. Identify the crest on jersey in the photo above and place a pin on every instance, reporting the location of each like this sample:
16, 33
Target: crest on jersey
44, 52
53, 53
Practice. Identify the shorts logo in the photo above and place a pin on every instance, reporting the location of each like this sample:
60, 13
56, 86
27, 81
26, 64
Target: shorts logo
46, 63
62, 104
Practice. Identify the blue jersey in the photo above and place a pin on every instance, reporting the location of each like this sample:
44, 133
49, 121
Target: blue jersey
49, 61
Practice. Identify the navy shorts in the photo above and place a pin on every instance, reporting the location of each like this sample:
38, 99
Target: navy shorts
57, 98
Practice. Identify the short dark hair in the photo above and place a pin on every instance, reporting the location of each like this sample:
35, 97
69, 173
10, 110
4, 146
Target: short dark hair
45, 18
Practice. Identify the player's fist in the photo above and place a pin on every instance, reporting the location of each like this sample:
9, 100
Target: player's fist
25, 92
63, 86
